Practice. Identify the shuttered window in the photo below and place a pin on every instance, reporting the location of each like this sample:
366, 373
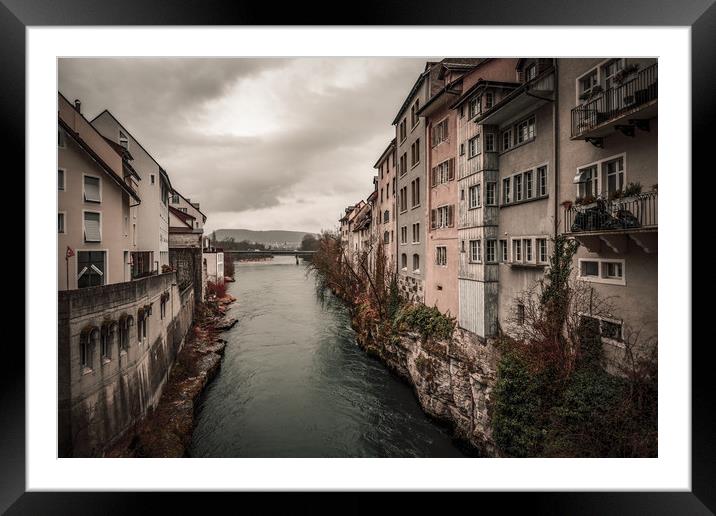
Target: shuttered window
91, 189
93, 231
90, 268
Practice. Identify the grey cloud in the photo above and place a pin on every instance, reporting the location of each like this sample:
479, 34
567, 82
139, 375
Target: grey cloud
324, 146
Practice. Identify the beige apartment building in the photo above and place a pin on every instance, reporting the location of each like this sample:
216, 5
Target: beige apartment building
478, 194
154, 188
96, 194
385, 216
608, 175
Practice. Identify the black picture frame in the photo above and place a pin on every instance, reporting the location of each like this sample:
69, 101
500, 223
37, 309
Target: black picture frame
700, 15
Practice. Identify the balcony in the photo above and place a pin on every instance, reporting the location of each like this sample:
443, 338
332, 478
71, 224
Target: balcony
635, 98
615, 223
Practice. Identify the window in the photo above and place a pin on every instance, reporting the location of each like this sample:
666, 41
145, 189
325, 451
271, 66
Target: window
588, 185
151, 177
440, 132
589, 268
386, 238
490, 142
614, 173
462, 149
586, 83
491, 193
60, 222
442, 217
414, 118
404, 234
142, 330
441, 255
163, 305
93, 226
404, 261
506, 191
443, 172
614, 270
90, 268
520, 314
106, 337
88, 343
542, 181
416, 233
528, 249
525, 130
474, 196
404, 199
542, 250
60, 179
528, 185
608, 329
473, 107
506, 139
490, 251
92, 189
386, 217
123, 140
610, 70
473, 147
402, 128
415, 192
182, 210
517, 250
175, 199
416, 263
125, 323
489, 99
475, 255
531, 72
415, 153
518, 187
61, 138
503, 251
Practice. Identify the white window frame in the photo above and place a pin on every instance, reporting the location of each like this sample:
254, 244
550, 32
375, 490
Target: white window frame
416, 232
474, 201
601, 179
517, 251
64, 223
504, 250
403, 235
473, 146
99, 178
64, 179
601, 275
475, 251
489, 184
615, 342
538, 247
490, 137
491, 242
538, 185
77, 261
84, 229
437, 255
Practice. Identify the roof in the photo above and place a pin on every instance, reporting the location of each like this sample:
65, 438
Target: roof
93, 154
481, 83
390, 146
125, 130
184, 217
410, 96
192, 204
444, 89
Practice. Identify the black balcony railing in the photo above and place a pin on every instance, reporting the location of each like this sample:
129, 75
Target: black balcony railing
637, 212
614, 102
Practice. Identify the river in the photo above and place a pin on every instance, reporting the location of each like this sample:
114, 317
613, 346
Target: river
294, 383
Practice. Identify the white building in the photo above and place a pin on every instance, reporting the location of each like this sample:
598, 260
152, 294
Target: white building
152, 251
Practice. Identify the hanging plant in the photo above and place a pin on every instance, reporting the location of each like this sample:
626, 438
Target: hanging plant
625, 72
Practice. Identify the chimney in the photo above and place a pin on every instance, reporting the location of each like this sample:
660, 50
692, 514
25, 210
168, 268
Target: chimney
78, 106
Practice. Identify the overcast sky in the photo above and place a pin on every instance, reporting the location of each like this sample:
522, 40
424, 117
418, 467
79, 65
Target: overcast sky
260, 143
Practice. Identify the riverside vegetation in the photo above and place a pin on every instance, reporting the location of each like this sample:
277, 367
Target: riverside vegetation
542, 387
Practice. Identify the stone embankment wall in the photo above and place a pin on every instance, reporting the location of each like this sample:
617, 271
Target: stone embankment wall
453, 379
104, 392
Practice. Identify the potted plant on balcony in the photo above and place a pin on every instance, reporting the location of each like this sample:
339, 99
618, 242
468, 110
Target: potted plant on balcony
622, 75
632, 189
590, 94
567, 205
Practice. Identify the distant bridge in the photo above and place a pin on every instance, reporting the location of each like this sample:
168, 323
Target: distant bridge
272, 252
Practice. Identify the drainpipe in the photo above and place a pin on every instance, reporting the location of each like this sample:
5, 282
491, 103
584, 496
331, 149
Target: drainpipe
555, 122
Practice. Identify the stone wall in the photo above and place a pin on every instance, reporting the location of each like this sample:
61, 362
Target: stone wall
453, 380
187, 262
98, 402
411, 288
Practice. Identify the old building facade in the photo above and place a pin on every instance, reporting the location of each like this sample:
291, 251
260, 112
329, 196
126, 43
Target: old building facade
385, 216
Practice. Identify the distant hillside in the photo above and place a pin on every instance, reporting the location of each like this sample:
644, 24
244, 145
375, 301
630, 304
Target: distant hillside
262, 237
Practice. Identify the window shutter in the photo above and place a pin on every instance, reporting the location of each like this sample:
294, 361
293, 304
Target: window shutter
92, 227
451, 169
434, 177
433, 218
91, 189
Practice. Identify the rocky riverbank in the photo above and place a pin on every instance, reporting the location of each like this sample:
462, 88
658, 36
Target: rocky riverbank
167, 431
453, 379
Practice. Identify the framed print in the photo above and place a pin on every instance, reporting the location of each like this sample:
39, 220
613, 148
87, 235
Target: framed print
424, 257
